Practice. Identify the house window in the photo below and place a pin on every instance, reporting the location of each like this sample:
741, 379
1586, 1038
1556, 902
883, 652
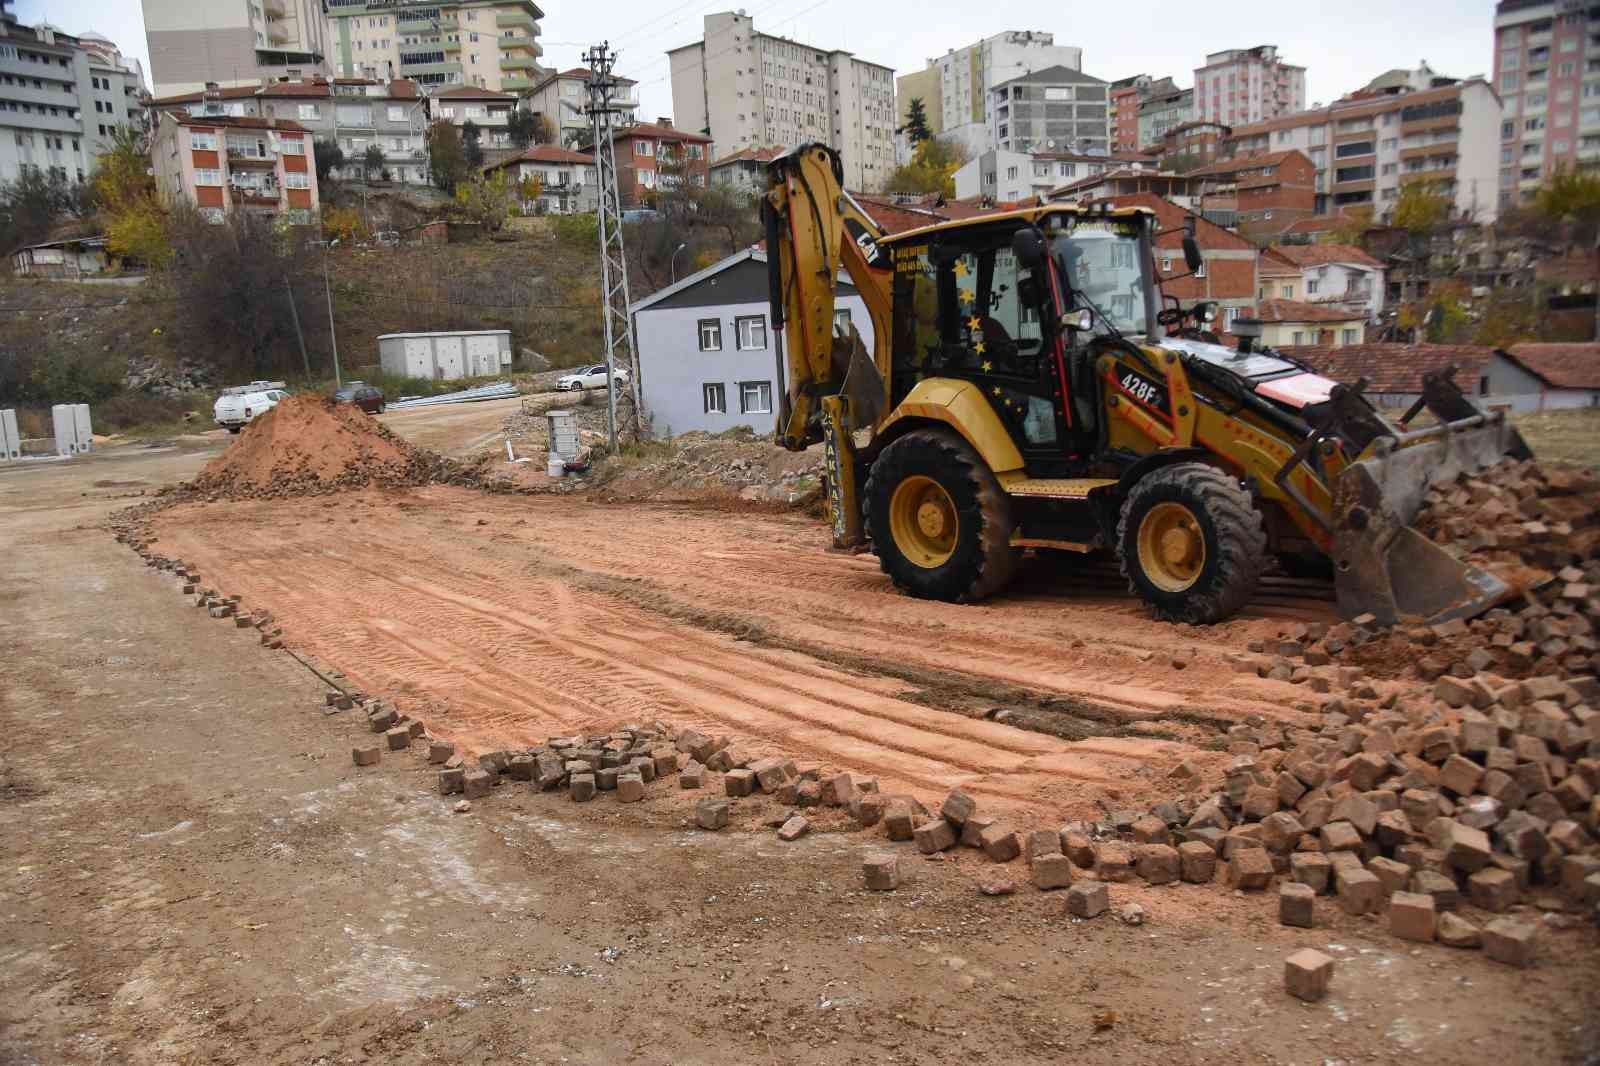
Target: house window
755, 397
841, 321
203, 142
294, 147
397, 114
1288, 292
715, 395
1299, 337
711, 335
751, 333
643, 148
308, 111
1349, 336
296, 179
1200, 272
1166, 264
1311, 286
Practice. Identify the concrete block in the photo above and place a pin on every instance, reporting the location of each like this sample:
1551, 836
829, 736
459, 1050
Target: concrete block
581, 786
1413, 916
476, 784
398, 738
1051, 871
452, 780
794, 828
713, 813
934, 836
630, 788
1197, 862
1088, 899
1510, 941
881, 871
738, 782
1307, 974
365, 755
1296, 904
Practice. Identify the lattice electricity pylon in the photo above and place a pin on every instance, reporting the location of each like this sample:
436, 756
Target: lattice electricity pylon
613, 261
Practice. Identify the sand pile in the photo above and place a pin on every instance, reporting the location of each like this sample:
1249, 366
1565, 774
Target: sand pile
309, 445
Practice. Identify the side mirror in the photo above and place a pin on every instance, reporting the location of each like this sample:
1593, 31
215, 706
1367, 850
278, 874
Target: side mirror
1191, 253
1028, 245
1082, 320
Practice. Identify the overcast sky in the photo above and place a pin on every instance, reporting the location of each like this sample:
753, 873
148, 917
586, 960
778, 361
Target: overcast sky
1342, 46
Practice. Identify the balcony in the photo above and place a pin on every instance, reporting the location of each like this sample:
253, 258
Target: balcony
517, 20
518, 63
262, 196
238, 157
278, 8
515, 83
416, 70
451, 46
276, 34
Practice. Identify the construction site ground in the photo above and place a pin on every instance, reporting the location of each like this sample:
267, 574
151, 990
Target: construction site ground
195, 872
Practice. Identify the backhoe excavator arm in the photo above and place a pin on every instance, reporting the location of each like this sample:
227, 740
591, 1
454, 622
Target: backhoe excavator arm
814, 228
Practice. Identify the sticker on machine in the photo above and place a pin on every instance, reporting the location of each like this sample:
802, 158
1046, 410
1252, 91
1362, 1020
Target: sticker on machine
1298, 390
1146, 391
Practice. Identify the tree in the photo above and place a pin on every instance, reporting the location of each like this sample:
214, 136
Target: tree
31, 205
932, 168
343, 224
471, 146
447, 160
1353, 226
124, 192
329, 157
916, 127
371, 161
529, 189
1423, 207
523, 127
1570, 200
541, 130
487, 200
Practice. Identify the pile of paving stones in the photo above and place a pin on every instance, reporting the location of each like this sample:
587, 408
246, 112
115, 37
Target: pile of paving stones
622, 762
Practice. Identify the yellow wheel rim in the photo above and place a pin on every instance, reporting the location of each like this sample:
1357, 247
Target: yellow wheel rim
923, 520
1172, 547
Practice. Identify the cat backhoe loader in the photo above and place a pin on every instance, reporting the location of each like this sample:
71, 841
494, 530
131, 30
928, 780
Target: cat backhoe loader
1025, 389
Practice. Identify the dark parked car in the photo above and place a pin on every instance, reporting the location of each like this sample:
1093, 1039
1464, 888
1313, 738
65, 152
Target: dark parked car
367, 397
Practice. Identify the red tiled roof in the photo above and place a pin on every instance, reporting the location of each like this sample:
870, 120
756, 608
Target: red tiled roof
543, 153
1316, 224
1233, 166
243, 122
1565, 366
1208, 235
757, 155
663, 133
1298, 311
238, 92
468, 92
1276, 266
295, 88
1396, 368
1581, 269
1310, 255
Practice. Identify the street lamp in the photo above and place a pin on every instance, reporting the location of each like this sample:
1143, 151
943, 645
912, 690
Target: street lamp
673, 262
333, 331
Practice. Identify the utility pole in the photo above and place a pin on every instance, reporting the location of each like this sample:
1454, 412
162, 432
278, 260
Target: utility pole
294, 313
333, 331
613, 261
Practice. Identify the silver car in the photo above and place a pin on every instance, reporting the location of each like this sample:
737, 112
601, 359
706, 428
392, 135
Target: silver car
589, 377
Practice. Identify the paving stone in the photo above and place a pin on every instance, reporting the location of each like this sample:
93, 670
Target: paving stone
477, 784
934, 836
769, 773
1113, 862
1444, 890
1147, 830
581, 787
1510, 941
1249, 869
1492, 889
1394, 875
958, 807
1078, 847
1296, 904
452, 780
1456, 932
366, 755
1051, 871
547, 771
838, 790
738, 782
1197, 862
605, 778
1340, 836
1307, 974
1465, 848
1281, 831
993, 882
972, 830
398, 738
794, 828
881, 871
1359, 891
712, 813
999, 842
1088, 899
693, 775
1312, 869
1158, 864
1413, 916
630, 788
1042, 842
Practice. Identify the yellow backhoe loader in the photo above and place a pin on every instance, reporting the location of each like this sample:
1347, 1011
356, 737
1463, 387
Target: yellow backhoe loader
1026, 389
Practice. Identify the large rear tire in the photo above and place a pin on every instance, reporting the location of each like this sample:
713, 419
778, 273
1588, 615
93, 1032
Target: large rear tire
1191, 542
939, 520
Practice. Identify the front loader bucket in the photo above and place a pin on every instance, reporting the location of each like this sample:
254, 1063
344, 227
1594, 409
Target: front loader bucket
1383, 566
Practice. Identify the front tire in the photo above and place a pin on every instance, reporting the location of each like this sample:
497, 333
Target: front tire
939, 520
1191, 543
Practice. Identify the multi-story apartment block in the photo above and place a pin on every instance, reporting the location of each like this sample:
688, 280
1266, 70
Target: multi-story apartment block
744, 171
654, 155
741, 88
489, 44
1366, 147
61, 97
1547, 68
567, 182
486, 109
232, 42
226, 164
1006, 177
1244, 85
1260, 196
559, 93
354, 113
1163, 108
956, 88
1055, 109
1125, 95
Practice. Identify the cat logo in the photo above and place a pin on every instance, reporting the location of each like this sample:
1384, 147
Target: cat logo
866, 242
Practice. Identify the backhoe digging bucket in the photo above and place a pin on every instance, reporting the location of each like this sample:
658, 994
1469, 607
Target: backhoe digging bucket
1382, 565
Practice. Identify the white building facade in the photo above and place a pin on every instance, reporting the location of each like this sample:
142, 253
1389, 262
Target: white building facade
233, 42
1243, 85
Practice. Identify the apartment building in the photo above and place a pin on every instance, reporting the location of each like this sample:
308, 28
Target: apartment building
567, 181
559, 92
486, 109
1134, 180
1002, 176
232, 42
654, 155
955, 88
1244, 85
1547, 68
1054, 109
1163, 109
1124, 95
1367, 146
61, 98
742, 88
745, 170
1340, 275
487, 44
226, 164
354, 113
1260, 196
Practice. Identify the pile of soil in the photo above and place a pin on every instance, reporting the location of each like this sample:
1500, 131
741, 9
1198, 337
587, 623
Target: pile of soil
308, 445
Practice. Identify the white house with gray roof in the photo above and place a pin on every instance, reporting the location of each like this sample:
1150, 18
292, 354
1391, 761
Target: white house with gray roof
706, 356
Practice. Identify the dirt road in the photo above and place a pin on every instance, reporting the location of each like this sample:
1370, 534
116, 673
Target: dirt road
453, 429
195, 872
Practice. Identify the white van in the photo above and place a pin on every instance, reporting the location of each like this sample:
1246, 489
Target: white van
242, 403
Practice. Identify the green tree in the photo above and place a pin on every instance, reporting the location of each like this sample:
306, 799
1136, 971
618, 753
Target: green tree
328, 156
472, 144
371, 161
124, 193
447, 160
524, 127
1423, 207
31, 205
916, 126
932, 168
487, 200
1353, 226
1570, 201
